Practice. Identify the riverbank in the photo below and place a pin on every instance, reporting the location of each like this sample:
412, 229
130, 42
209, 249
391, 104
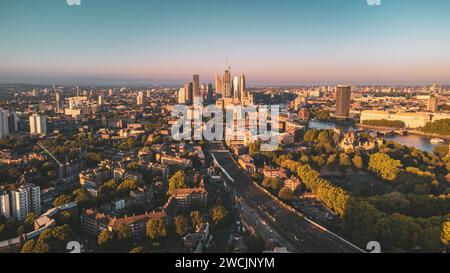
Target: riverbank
412, 132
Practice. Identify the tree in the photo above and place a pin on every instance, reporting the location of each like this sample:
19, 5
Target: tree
272, 183
324, 137
358, 162
196, 218
177, 181
286, 194
254, 148
105, 240
51, 241
219, 214
344, 160
311, 135
62, 200
82, 197
156, 229
181, 225
331, 162
28, 247
440, 127
127, 185
445, 234
385, 166
137, 250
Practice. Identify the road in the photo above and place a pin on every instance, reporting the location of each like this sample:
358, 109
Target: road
288, 229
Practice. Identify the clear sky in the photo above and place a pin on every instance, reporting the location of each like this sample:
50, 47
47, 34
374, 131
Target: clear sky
272, 42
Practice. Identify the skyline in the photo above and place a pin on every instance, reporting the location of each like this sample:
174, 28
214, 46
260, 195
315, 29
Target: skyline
273, 43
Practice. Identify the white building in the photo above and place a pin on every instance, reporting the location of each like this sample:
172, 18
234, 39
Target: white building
4, 203
24, 200
411, 120
4, 127
38, 125
140, 98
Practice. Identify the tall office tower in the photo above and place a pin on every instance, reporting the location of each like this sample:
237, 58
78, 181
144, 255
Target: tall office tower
236, 88
209, 93
242, 87
4, 203
219, 85
24, 200
182, 96
38, 125
149, 93
13, 123
58, 102
226, 84
4, 124
343, 100
110, 92
189, 93
433, 103
140, 98
100, 100
196, 86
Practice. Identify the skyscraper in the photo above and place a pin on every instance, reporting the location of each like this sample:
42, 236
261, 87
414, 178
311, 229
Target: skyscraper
4, 203
242, 87
140, 98
182, 96
226, 84
209, 93
219, 85
100, 100
196, 86
189, 93
343, 100
38, 125
236, 88
58, 101
4, 125
24, 200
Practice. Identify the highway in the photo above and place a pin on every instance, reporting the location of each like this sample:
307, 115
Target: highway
286, 227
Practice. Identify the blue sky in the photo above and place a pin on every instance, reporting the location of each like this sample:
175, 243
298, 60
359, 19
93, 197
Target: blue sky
272, 42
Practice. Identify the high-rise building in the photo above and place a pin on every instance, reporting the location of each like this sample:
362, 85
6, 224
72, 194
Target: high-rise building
140, 98
226, 84
433, 103
4, 203
242, 87
110, 92
196, 86
188, 89
219, 85
13, 123
38, 124
236, 88
100, 100
182, 96
58, 102
209, 93
24, 200
4, 124
343, 100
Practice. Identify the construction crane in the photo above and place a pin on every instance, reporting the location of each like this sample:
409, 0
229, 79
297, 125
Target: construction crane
61, 166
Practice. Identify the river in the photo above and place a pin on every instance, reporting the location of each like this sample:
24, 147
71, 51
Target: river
420, 142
